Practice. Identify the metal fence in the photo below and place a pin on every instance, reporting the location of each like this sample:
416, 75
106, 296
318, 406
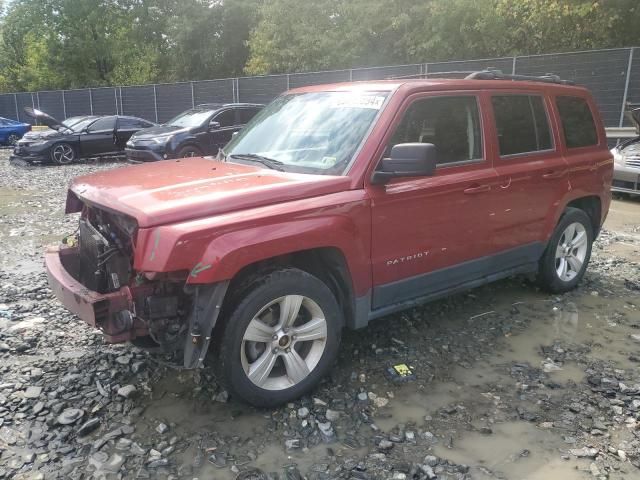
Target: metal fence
612, 75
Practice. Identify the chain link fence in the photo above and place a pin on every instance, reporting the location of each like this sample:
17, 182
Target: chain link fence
613, 76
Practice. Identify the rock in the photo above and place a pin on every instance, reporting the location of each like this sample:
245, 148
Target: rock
222, 397
162, 428
635, 337
32, 392
127, 391
332, 415
326, 432
70, 415
431, 460
88, 427
584, 452
622, 455
303, 412
292, 444
385, 445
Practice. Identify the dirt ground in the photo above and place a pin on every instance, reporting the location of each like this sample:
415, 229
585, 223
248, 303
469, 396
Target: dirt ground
509, 382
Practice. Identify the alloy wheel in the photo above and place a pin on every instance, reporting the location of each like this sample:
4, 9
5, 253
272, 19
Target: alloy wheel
63, 154
13, 139
284, 342
571, 251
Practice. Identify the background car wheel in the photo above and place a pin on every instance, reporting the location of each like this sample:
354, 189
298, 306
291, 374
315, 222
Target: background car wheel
13, 139
567, 255
63, 154
188, 151
280, 339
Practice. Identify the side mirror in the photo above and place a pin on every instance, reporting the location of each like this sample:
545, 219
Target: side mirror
213, 125
407, 160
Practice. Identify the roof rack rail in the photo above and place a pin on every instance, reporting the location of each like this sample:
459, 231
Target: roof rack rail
491, 74
461, 73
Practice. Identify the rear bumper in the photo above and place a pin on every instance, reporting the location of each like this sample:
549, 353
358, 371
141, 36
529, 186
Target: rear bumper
626, 179
113, 313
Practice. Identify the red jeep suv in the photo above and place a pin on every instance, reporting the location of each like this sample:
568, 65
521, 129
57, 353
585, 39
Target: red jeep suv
336, 205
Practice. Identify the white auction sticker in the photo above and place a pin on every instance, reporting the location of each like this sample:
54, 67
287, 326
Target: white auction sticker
359, 100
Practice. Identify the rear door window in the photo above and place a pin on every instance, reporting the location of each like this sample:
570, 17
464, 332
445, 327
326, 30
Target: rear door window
451, 123
522, 124
577, 122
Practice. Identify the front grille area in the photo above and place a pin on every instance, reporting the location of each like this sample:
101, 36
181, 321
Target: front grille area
633, 162
103, 267
624, 184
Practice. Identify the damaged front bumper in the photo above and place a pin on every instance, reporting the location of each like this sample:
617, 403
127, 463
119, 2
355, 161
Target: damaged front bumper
113, 313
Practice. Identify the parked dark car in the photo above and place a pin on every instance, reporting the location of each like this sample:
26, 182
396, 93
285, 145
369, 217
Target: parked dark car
198, 131
64, 142
11, 131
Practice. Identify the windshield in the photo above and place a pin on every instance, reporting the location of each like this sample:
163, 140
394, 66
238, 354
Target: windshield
309, 132
190, 118
71, 121
81, 125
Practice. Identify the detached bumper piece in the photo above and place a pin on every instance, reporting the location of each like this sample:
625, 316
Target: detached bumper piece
113, 313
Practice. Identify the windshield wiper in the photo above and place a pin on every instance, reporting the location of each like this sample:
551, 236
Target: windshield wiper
254, 157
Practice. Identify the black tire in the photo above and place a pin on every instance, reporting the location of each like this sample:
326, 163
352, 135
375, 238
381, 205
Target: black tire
188, 151
252, 299
548, 276
62, 154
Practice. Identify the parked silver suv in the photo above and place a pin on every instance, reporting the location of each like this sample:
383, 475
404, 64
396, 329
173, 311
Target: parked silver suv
626, 155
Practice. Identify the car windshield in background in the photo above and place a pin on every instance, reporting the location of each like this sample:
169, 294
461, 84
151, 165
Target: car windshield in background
81, 125
309, 132
190, 118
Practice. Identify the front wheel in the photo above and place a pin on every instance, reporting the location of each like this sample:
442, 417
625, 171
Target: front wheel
280, 339
567, 255
12, 140
63, 154
188, 151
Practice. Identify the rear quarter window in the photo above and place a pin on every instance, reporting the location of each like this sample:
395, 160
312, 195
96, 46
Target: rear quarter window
577, 120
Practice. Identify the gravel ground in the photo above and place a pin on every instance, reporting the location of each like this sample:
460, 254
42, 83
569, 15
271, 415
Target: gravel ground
508, 383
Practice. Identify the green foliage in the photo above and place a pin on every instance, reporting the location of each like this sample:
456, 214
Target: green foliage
48, 44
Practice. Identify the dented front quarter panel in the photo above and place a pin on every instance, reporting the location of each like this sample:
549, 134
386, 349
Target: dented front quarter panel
214, 249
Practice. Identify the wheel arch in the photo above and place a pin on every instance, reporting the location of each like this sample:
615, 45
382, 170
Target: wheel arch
592, 206
329, 264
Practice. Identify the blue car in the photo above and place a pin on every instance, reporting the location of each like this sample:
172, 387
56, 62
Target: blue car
11, 131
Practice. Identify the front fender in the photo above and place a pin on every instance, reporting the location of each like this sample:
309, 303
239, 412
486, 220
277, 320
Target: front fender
216, 249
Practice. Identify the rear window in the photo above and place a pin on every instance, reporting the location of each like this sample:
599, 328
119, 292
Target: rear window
522, 124
577, 122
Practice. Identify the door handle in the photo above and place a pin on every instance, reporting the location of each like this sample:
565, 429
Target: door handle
551, 175
477, 189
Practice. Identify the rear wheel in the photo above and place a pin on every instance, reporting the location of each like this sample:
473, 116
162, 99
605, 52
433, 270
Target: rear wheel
13, 139
188, 151
63, 154
567, 255
280, 339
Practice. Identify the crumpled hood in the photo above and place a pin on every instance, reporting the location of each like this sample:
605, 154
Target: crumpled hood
41, 134
173, 191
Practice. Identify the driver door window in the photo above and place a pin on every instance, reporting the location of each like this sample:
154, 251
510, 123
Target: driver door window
452, 124
226, 118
